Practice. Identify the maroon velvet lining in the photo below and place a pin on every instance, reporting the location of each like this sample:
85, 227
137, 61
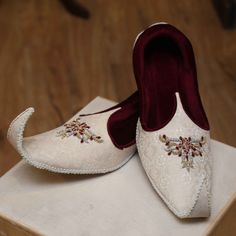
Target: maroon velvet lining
122, 123
164, 64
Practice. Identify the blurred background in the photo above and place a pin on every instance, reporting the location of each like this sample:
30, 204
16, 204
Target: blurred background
58, 55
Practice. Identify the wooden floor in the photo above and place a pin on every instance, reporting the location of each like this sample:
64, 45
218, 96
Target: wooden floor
57, 63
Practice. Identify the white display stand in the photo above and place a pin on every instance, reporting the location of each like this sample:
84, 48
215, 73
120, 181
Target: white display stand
121, 203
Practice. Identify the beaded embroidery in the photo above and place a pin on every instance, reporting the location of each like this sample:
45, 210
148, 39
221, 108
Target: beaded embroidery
80, 130
186, 148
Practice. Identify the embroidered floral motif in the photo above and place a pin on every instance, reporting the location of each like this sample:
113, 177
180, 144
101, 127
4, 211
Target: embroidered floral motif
80, 130
186, 148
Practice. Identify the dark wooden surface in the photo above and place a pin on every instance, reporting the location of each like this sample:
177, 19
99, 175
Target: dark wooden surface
57, 63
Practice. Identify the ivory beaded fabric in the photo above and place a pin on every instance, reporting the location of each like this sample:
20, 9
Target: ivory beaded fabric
179, 188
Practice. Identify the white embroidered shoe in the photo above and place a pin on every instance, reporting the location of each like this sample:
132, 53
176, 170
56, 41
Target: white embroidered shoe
86, 144
172, 132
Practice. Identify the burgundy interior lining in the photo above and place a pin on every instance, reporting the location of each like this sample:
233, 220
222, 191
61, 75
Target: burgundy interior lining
122, 123
163, 65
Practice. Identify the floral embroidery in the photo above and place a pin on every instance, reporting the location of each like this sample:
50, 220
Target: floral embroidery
80, 130
186, 148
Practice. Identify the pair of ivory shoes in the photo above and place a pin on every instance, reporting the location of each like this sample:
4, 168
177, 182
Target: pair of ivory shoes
164, 120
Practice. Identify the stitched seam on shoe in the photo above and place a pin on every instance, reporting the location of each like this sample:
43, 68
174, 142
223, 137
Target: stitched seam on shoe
208, 194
